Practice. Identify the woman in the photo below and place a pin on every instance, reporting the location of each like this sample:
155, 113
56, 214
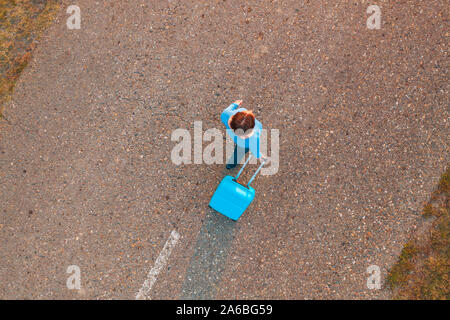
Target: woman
244, 130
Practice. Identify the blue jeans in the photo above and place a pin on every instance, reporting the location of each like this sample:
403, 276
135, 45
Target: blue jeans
237, 156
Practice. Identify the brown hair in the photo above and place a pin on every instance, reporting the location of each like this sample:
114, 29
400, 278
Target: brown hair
244, 120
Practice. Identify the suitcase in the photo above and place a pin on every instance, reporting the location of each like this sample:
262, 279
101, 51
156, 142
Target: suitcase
231, 197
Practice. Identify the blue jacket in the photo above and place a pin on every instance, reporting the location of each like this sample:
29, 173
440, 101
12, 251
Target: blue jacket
253, 141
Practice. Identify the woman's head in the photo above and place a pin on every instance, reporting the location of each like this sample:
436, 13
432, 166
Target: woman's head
242, 122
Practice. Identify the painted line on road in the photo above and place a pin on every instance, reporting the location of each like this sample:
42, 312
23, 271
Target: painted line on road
144, 292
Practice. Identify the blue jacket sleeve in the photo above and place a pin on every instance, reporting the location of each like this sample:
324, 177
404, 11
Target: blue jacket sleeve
227, 113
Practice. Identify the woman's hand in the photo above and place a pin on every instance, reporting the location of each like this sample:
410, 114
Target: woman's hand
238, 102
264, 158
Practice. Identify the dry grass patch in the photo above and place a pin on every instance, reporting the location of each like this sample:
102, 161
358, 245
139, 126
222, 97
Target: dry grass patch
423, 268
21, 24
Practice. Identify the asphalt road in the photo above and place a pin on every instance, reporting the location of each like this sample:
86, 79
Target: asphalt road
86, 176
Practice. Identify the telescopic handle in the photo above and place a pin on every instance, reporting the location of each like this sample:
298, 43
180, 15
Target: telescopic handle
254, 175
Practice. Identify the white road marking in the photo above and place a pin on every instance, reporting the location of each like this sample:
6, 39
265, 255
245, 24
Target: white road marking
144, 292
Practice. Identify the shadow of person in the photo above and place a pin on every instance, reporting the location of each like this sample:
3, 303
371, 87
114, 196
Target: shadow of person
208, 261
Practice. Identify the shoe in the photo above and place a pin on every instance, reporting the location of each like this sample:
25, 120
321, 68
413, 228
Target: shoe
231, 165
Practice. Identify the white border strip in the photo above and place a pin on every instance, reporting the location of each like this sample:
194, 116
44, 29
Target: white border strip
144, 292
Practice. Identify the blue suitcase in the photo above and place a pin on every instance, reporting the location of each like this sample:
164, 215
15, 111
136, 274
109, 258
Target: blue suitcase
231, 198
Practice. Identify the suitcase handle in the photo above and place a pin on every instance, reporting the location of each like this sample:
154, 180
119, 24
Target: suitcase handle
254, 175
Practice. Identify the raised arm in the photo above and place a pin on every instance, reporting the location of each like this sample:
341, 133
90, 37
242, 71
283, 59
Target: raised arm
228, 112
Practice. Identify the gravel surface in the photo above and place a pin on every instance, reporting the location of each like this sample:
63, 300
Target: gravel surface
85, 172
